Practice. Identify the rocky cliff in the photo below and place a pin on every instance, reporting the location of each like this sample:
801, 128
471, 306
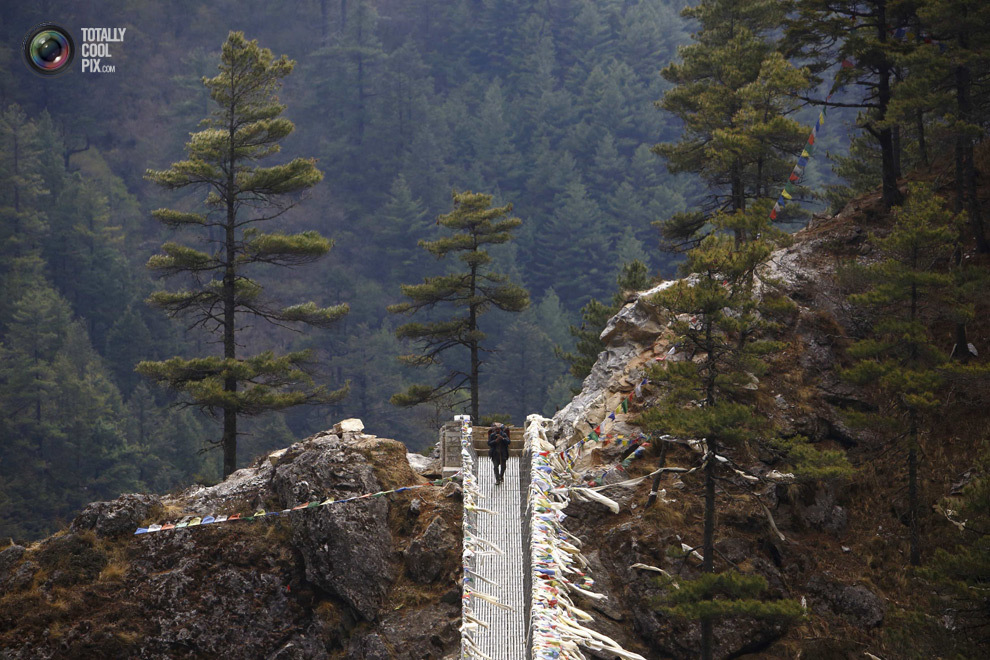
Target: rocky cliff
372, 578
840, 549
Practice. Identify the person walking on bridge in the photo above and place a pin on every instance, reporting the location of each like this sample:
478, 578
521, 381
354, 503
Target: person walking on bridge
498, 449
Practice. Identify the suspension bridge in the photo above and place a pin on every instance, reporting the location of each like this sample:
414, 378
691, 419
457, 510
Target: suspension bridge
521, 568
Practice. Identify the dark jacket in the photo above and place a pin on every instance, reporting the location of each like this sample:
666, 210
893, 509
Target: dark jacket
498, 443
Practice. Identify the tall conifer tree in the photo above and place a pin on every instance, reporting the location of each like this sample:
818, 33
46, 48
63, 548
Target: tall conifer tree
859, 33
633, 276
733, 91
473, 291
245, 127
725, 322
900, 360
718, 317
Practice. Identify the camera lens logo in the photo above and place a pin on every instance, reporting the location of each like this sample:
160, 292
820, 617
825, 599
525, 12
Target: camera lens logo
48, 49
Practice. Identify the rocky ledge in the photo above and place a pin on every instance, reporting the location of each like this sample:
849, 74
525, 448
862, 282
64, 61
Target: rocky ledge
371, 578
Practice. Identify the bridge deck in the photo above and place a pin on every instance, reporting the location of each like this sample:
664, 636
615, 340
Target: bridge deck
505, 639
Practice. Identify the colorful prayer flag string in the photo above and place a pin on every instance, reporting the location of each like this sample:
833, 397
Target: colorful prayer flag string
557, 627
198, 521
598, 432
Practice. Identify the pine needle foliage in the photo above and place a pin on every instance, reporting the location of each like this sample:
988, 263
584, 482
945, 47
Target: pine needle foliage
245, 127
472, 291
725, 316
734, 92
633, 276
900, 361
960, 575
730, 594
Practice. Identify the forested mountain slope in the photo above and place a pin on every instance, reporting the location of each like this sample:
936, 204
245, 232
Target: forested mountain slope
276, 589
549, 106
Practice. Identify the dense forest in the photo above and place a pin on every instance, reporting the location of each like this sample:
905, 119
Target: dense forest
555, 107
548, 107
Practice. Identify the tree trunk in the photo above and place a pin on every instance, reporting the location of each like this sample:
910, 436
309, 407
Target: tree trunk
708, 542
738, 202
965, 165
229, 439
915, 556
475, 361
961, 350
922, 147
913, 492
708, 545
657, 477
890, 165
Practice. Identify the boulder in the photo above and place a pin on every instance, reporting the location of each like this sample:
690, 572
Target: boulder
824, 513
9, 559
421, 464
350, 425
856, 603
637, 320
345, 548
429, 554
419, 634
120, 516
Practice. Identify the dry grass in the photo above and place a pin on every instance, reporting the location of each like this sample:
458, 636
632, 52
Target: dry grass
408, 594
128, 637
118, 562
664, 516
164, 512
329, 613
115, 571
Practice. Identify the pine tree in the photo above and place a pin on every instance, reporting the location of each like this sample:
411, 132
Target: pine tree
962, 56
524, 368
23, 196
733, 91
726, 326
900, 361
61, 426
858, 32
245, 126
959, 574
403, 222
473, 291
574, 247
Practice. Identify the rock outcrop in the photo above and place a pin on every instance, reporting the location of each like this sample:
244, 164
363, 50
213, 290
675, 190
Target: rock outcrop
369, 578
802, 394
